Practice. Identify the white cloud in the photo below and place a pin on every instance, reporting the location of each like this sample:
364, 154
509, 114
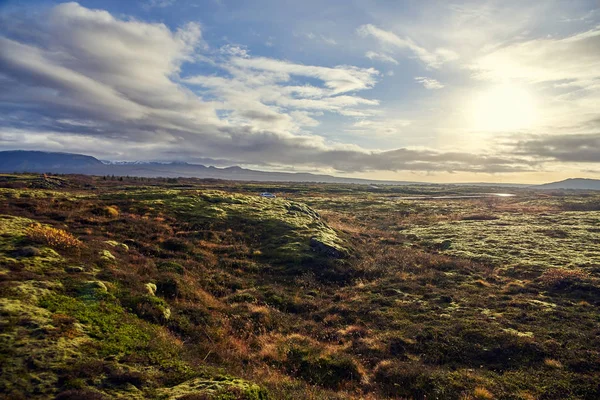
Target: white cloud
572, 58
263, 88
321, 38
158, 3
429, 83
372, 55
389, 40
341, 79
83, 80
234, 50
380, 127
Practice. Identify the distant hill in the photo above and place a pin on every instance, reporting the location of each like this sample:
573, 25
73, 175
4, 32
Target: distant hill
41, 161
572, 183
66, 163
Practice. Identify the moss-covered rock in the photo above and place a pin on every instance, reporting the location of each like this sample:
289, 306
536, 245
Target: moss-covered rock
15, 248
282, 229
220, 387
106, 258
118, 245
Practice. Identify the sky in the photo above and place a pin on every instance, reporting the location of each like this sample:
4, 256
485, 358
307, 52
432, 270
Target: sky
452, 91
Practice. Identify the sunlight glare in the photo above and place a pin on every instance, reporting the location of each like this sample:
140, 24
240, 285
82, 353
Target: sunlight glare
505, 107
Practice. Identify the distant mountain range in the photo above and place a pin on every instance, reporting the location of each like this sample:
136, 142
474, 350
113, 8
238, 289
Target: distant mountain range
41, 161
573, 183
67, 163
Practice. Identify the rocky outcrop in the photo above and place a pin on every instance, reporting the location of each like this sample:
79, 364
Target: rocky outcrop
329, 250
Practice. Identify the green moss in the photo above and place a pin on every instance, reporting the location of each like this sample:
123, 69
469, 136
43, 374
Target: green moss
118, 334
107, 258
116, 244
171, 266
281, 229
218, 388
32, 345
416, 323
520, 240
13, 237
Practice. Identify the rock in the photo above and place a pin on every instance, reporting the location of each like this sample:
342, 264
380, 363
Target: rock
446, 244
326, 249
130, 242
107, 258
443, 245
93, 290
28, 251
97, 285
116, 244
74, 269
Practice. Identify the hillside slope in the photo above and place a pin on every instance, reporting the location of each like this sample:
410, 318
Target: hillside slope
107, 317
572, 183
40, 161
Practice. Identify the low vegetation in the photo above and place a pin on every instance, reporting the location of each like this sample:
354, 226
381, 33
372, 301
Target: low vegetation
191, 289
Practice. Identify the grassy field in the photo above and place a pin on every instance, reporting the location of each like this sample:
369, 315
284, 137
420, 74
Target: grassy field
194, 289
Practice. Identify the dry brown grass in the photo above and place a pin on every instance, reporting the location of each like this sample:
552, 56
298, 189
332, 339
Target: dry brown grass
551, 363
56, 238
482, 393
557, 277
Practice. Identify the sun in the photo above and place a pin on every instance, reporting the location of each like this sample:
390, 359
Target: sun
504, 107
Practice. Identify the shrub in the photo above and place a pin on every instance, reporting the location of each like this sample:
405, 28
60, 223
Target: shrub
150, 308
106, 211
171, 266
404, 379
174, 244
552, 363
76, 394
479, 217
169, 287
120, 378
482, 393
53, 237
328, 371
560, 278
593, 205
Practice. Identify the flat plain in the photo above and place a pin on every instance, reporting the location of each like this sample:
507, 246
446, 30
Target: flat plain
202, 289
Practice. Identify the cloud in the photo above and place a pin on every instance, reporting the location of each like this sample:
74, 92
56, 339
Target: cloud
158, 3
391, 41
341, 79
372, 55
572, 60
380, 127
82, 80
260, 86
429, 83
577, 148
321, 38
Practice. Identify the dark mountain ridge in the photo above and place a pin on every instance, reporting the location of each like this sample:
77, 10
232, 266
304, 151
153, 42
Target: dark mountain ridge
69, 163
38, 161
572, 183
